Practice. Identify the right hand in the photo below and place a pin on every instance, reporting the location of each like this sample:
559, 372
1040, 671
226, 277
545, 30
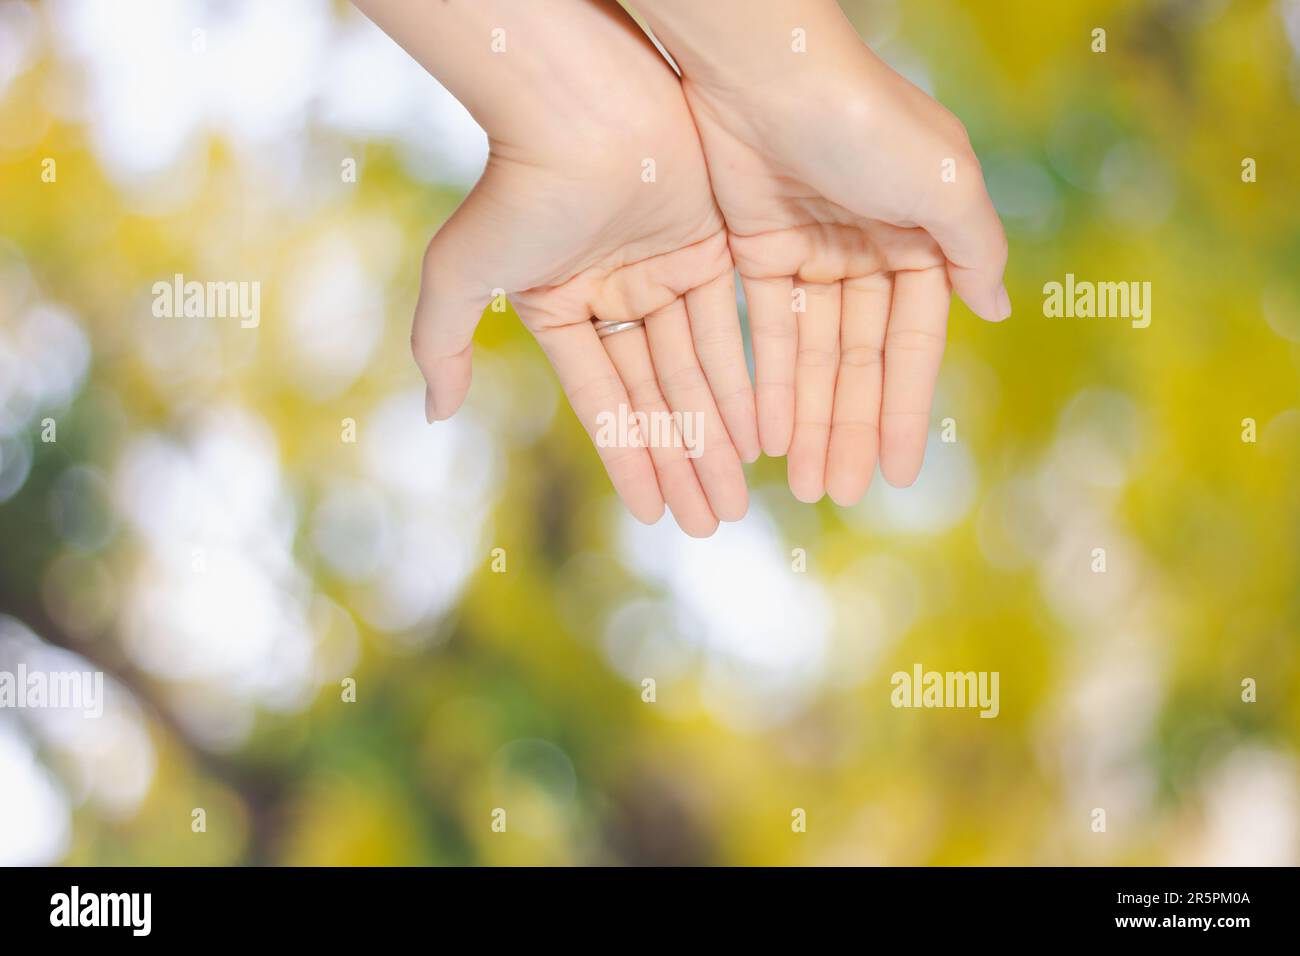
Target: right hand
831, 177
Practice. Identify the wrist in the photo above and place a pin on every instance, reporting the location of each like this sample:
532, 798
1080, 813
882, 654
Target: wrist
733, 45
529, 73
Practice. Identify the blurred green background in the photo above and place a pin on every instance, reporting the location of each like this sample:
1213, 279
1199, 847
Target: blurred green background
202, 529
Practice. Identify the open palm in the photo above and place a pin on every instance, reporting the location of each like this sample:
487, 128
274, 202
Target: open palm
853, 208
620, 226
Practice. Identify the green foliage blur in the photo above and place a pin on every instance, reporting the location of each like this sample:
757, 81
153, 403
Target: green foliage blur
522, 690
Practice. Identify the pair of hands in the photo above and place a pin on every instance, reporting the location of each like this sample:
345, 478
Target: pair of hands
850, 203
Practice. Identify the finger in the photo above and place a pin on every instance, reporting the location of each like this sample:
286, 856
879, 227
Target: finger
596, 391
715, 327
630, 353
775, 334
914, 341
855, 424
814, 389
687, 391
962, 219
451, 303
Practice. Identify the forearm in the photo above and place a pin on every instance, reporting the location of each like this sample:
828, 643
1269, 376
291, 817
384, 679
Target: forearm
723, 43
530, 72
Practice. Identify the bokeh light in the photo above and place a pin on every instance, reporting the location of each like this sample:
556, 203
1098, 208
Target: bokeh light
351, 636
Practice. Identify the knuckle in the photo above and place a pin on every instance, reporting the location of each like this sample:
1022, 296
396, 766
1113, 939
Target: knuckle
955, 131
781, 328
644, 393
419, 342
916, 340
715, 339
861, 356
603, 391
818, 358
683, 378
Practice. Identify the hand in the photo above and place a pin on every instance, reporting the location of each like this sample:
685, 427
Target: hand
602, 208
830, 171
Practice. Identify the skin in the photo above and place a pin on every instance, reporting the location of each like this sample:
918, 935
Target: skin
827, 167
563, 222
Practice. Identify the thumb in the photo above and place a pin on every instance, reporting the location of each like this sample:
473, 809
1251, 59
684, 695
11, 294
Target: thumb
966, 226
451, 303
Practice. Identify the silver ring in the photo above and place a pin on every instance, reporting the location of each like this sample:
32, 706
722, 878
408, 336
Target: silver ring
604, 328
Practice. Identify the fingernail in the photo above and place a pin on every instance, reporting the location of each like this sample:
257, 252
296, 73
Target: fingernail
430, 409
1004, 304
